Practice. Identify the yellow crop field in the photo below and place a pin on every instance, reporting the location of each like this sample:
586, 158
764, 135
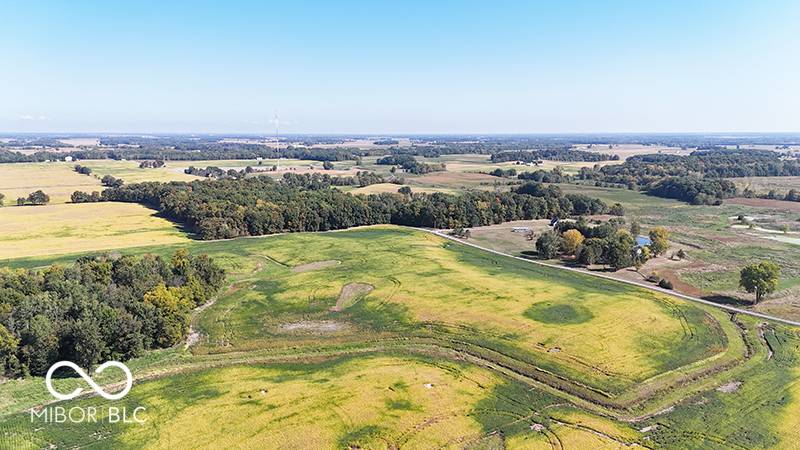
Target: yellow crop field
57, 179
71, 228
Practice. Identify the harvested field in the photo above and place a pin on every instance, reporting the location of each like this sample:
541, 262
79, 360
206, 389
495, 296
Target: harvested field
766, 203
70, 228
56, 179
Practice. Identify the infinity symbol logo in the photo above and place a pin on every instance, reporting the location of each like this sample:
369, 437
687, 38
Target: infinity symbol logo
49, 381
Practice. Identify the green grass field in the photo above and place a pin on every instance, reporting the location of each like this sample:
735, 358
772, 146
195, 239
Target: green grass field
387, 337
454, 348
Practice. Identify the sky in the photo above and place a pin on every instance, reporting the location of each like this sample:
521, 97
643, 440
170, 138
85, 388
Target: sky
402, 67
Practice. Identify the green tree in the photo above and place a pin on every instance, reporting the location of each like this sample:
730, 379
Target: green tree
2, 197
760, 278
327, 165
172, 314
548, 245
659, 243
591, 251
38, 198
636, 229
21, 201
8, 352
39, 343
619, 252
617, 210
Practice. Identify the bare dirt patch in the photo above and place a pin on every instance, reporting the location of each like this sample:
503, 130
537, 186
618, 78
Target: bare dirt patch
350, 294
728, 388
766, 203
314, 326
315, 266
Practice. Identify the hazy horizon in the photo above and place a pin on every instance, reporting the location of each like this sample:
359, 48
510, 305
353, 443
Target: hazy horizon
414, 68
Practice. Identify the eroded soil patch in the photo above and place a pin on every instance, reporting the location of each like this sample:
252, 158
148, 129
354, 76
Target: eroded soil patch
315, 266
350, 294
314, 326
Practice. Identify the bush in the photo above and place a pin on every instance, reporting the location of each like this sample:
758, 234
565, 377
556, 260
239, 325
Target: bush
665, 284
654, 278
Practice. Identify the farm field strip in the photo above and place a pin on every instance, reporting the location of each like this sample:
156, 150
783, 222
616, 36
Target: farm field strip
32, 231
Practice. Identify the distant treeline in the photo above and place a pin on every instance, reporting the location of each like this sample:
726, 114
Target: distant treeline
195, 152
259, 205
791, 196
557, 154
697, 178
99, 308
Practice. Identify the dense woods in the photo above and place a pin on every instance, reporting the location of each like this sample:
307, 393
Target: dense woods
697, 178
410, 164
259, 205
99, 308
552, 154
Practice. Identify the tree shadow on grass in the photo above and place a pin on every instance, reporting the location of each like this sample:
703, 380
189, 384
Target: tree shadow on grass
727, 300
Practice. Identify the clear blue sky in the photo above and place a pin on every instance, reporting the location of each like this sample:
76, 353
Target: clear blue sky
400, 66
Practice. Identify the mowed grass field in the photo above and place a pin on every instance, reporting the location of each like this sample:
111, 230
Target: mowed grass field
376, 401
69, 228
451, 348
608, 335
57, 179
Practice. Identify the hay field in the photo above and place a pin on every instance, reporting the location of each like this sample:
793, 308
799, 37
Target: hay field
392, 188
483, 163
130, 172
625, 151
69, 228
373, 402
570, 324
762, 185
57, 179
453, 346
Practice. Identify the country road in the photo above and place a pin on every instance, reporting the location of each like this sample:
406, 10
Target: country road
608, 277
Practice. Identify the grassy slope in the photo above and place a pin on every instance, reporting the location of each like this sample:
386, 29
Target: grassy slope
476, 300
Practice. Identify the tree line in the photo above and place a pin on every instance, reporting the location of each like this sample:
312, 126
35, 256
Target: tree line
697, 178
99, 308
552, 154
410, 164
260, 205
607, 243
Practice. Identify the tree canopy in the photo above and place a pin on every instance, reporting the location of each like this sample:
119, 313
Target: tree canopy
760, 278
